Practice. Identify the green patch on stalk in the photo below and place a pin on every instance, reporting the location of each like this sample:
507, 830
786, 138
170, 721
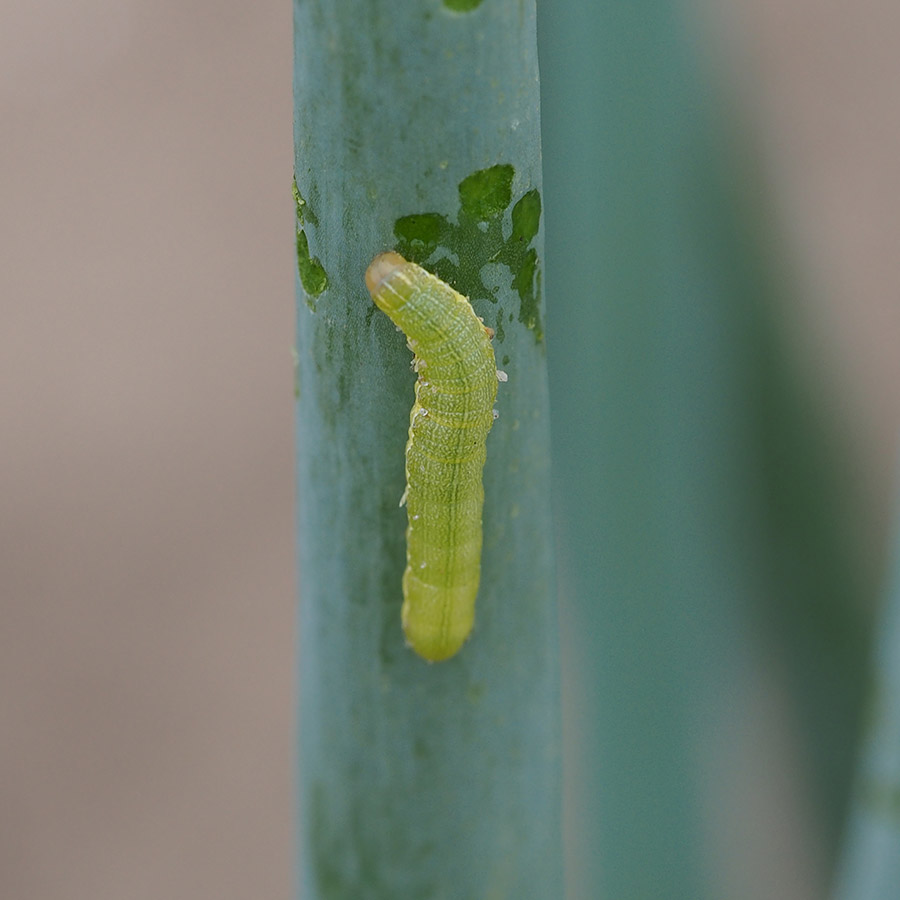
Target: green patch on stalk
458, 252
462, 5
311, 271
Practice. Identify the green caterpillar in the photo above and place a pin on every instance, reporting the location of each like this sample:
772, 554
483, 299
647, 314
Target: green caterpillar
448, 425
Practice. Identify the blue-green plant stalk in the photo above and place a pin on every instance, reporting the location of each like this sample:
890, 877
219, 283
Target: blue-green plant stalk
417, 131
870, 868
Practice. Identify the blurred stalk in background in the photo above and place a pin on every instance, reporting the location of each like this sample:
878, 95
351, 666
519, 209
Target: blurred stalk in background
871, 864
417, 128
702, 533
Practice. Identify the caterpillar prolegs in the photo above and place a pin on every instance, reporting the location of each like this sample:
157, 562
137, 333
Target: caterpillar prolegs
445, 454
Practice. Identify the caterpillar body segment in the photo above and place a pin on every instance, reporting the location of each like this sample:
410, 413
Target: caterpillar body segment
448, 426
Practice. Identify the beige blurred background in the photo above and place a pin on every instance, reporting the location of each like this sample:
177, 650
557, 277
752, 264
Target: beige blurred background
146, 320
